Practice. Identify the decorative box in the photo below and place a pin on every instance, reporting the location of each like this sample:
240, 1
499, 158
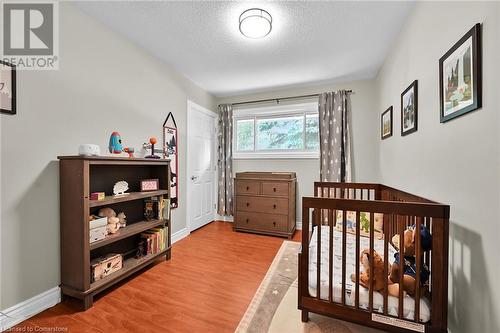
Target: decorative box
104, 266
98, 234
97, 196
98, 222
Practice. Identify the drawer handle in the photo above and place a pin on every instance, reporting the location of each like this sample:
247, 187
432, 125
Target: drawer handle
274, 189
248, 204
274, 206
247, 220
274, 223
248, 187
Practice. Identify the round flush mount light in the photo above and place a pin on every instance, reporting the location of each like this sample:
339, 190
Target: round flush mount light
255, 23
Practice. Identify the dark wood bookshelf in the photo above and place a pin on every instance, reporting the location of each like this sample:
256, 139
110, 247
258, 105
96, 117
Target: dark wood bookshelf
80, 176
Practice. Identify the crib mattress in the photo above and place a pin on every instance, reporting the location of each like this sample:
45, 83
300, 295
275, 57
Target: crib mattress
351, 258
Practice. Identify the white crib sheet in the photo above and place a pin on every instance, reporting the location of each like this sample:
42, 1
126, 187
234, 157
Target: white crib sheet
351, 258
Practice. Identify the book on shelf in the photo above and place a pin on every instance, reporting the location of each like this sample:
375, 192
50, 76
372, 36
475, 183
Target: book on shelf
156, 208
153, 241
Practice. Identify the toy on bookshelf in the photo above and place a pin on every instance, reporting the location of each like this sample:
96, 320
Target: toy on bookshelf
130, 151
120, 188
122, 219
114, 221
152, 142
115, 143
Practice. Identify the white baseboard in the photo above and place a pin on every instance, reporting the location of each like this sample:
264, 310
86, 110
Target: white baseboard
298, 226
28, 308
177, 236
224, 218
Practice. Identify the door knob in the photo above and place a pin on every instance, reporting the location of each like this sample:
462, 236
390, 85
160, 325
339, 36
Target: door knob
194, 177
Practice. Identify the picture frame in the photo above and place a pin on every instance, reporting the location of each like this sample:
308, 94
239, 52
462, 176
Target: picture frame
460, 76
8, 94
409, 109
386, 124
150, 185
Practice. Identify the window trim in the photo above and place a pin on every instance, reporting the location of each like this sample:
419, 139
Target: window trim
277, 111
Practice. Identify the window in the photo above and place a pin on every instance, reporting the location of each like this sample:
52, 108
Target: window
285, 131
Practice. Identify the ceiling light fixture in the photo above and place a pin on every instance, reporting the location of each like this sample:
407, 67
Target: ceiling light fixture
255, 23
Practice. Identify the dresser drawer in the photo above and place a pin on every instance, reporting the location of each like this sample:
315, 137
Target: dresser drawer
247, 187
264, 222
276, 189
262, 204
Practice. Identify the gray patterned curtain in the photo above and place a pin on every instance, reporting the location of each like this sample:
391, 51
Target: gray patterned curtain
334, 136
225, 162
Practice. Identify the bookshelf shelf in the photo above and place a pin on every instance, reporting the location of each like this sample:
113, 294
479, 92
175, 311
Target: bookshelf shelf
129, 230
80, 176
130, 266
109, 200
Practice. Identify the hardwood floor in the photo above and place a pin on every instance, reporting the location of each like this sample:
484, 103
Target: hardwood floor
206, 287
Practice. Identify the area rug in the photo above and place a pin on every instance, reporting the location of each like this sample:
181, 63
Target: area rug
274, 306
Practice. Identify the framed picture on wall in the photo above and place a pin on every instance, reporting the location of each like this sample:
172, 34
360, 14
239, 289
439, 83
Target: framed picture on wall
386, 124
460, 76
409, 109
7, 88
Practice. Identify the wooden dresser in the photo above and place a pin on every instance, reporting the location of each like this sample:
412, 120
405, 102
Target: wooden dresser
265, 203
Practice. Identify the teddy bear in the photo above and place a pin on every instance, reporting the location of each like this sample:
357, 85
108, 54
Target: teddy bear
409, 264
113, 220
378, 271
123, 219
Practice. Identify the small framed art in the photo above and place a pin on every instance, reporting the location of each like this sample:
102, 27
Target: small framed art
409, 109
149, 185
460, 86
386, 124
7, 88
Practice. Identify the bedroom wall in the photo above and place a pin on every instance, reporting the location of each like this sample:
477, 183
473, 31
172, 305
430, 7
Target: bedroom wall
104, 83
365, 134
456, 162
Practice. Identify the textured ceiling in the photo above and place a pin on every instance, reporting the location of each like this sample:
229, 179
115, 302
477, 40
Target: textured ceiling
311, 42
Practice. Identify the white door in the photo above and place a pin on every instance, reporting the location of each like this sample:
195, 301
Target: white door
201, 166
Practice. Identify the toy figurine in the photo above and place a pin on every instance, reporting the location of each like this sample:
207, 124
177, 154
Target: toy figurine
115, 143
129, 151
152, 141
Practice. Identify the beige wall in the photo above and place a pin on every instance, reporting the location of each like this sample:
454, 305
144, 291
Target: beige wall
457, 162
105, 83
365, 133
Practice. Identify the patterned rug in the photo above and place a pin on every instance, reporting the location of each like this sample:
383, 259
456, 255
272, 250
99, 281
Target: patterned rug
274, 306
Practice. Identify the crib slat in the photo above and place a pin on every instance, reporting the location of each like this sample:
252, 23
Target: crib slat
344, 241
330, 262
372, 275
318, 259
401, 266
386, 261
418, 263
356, 301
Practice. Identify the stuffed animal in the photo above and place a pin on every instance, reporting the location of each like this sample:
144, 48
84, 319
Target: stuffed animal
113, 221
106, 212
378, 270
409, 264
113, 225
123, 219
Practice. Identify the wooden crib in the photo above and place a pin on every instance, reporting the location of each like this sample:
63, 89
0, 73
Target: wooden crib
400, 211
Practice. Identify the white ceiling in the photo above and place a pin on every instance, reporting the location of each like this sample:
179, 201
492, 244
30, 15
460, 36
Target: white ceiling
311, 42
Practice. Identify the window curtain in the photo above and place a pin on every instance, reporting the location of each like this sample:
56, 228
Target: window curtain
334, 136
225, 160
